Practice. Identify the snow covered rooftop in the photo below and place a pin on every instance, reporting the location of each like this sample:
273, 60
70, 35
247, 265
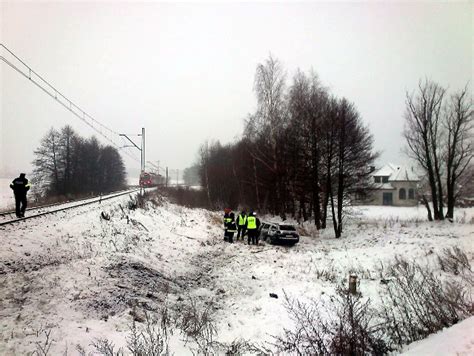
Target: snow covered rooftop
397, 173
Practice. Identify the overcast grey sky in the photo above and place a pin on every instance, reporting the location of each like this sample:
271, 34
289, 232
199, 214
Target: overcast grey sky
185, 71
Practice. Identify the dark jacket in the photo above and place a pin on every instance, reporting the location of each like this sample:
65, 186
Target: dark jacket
20, 185
227, 220
231, 226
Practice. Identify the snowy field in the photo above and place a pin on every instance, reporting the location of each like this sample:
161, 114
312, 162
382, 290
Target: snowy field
6, 195
82, 278
407, 214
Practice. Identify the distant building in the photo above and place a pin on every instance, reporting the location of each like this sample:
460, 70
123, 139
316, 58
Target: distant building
394, 185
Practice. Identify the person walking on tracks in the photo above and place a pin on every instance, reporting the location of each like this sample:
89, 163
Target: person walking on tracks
20, 187
253, 225
241, 223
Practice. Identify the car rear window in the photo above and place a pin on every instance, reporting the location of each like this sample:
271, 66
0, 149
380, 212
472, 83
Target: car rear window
287, 228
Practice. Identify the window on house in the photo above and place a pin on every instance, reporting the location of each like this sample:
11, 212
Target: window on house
385, 179
402, 194
411, 193
377, 179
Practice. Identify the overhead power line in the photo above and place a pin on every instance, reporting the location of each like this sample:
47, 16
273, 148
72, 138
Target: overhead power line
101, 129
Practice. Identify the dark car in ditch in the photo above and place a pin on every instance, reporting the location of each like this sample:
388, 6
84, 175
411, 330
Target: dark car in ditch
279, 233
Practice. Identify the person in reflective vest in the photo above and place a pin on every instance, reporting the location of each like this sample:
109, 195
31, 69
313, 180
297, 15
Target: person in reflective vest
231, 228
241, 224
253, 225
20, 187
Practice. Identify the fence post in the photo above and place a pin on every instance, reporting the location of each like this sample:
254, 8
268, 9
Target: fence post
352, 284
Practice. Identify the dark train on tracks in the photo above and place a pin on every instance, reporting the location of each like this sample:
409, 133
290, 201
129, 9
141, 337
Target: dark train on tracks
148, 179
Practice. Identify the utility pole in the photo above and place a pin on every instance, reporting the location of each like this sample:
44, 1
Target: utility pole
143, 149
177, 175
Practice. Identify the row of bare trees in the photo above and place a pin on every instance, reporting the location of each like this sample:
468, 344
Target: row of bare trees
304, 152
68, 164
439, 135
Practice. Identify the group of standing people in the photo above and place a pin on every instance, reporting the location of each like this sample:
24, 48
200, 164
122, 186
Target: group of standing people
242, 225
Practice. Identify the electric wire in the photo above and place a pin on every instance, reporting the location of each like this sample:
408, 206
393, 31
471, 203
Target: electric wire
64, 101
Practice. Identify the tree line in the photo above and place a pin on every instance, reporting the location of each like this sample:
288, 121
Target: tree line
304, 152
439, 135
68, 164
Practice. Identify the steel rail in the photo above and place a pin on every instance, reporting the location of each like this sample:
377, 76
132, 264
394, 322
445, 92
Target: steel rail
11, 212
66, 208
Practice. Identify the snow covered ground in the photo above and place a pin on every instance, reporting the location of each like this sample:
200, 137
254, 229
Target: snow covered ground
456, 340
6, 196
82, 278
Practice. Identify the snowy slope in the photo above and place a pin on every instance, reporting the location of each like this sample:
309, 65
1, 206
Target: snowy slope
82, 277
457, 340
6, 195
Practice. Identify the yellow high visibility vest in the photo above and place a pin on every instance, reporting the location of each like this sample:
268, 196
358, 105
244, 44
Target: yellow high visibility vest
251, 222
242, 219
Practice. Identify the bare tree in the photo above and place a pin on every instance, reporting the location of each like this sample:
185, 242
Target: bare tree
354, 156
112, 170
69, 164
308, 102
66, 153
268, 123
424, 136
300, 150
191, 175
204, 169
459, 124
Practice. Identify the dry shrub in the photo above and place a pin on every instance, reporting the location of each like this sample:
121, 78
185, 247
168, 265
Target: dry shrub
216, 219
43, 347
103, 347
418, 303
241, 347
454, 260
188, 197
152, 338
303, 230
351, 330
326, 274
197, 324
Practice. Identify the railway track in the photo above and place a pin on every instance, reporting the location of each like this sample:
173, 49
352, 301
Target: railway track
6, 217
41, 208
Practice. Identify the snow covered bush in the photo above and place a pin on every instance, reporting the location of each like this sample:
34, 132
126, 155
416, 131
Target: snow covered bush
103, 347
197, 325
152, 339
350, 330
454, 260
418, 303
